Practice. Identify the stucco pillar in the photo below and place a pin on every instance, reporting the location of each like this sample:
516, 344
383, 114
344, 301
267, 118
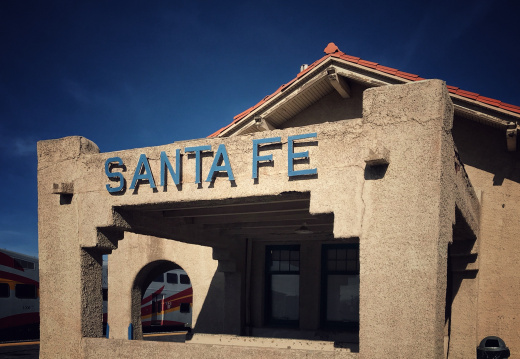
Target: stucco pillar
70, 276
407, 221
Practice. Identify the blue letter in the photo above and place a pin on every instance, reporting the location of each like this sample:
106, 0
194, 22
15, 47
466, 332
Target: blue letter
257, 158
115, 174
146, 175
291, 156
215, 167
165, 162
197, 151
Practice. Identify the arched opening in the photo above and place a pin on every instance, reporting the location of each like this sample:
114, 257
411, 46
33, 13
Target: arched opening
162, 299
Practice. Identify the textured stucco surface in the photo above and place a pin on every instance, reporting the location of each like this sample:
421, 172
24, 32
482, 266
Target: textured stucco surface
495, 173
98, 348
402, 214
407, 225
134, 252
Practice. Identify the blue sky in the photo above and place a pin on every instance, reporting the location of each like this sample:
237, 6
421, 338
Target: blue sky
129, 74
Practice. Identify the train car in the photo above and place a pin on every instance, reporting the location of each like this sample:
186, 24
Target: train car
19, 296
167, 302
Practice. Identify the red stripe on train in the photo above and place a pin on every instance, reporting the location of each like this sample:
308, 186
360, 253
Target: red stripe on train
175, 299
183, 293
8, 261
18, 278
149, 298
18, 320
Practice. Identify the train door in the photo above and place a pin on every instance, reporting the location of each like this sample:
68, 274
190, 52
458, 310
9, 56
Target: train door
157, 309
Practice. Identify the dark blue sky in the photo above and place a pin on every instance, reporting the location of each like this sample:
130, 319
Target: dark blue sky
129, 74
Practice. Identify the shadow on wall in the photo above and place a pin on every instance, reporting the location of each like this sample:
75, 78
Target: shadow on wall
211, 319
483, 147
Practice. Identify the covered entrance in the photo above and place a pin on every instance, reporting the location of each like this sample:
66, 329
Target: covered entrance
310, 233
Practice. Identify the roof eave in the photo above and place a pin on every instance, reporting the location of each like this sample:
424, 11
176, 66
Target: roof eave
369, 75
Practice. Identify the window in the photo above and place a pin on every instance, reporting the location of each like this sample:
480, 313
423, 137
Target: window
282, 285
4, 290
25, 264
185, 279
340, 280
171, 278
160, 278
25, 291
185, 308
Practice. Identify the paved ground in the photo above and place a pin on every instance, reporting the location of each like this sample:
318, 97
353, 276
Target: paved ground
31, 350
23, 350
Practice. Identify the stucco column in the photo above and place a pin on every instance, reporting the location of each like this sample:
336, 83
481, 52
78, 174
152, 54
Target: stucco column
70, 276
409, 211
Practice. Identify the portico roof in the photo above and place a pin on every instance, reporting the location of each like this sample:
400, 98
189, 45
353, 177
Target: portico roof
333, 71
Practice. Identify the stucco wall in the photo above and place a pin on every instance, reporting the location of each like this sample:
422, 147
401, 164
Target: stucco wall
402, 214
331, 108
134, 252
496, 173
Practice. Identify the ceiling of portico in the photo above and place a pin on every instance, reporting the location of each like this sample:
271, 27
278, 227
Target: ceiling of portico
202, 222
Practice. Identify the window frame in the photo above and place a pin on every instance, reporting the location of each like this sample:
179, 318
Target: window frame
16, 294
8, 290
268, 307
172, 275
182, 281
331, 324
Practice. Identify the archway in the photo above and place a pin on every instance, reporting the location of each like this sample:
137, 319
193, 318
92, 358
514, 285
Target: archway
162, 298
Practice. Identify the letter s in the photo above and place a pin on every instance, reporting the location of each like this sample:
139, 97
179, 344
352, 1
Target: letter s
114, 176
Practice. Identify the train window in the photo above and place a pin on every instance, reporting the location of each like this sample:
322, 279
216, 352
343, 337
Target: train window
171, 278
185, 308
105, 294
185, 279
4, 290
25, 291
159, 279
25, 264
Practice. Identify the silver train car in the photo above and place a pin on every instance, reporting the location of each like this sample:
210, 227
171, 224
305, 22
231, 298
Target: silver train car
166, 303
19, 296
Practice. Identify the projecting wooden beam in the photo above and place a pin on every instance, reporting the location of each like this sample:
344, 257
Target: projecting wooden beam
338, 83
285, 230
239, 209
270, 222
262, 124
301, 216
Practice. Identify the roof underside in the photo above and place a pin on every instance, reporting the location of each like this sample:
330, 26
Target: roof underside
313, 83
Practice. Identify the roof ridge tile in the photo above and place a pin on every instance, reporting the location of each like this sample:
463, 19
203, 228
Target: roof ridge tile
509, 107
488, 100
471, 95
368, 63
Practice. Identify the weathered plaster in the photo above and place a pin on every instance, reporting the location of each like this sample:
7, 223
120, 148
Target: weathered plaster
402, 214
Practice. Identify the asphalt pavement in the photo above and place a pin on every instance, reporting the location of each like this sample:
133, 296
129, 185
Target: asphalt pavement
23, 350
31, 350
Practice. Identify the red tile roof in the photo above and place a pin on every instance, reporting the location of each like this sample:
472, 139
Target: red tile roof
333, 51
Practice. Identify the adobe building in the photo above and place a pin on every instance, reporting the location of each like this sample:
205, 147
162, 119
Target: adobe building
357, 212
